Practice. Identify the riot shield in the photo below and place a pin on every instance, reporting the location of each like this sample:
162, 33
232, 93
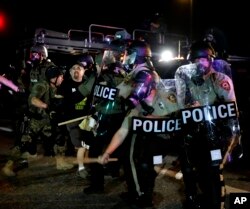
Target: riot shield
209, 113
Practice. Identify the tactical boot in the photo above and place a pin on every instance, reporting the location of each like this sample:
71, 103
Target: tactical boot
61, 164
7, 170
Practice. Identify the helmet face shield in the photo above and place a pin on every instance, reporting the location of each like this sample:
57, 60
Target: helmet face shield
138, 52
108, 57
129, 59
40, 49
35, 57
86, 61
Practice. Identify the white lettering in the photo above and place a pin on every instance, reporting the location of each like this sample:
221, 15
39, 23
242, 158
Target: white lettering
231, 110
239, 200
208, 113
136, 123
178, 124
105, 92
112, 94
169, 124
197, 115
156, 125
214, 112
147, 126
220, 112
243, 199
186, 114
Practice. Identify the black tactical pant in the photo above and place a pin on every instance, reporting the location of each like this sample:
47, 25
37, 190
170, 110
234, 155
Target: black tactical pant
139, 165
203, 179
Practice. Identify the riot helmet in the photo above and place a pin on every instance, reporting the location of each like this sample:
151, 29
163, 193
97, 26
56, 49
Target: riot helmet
53, 72
138, 52
114, 53
86, 61
41, 50
201, 49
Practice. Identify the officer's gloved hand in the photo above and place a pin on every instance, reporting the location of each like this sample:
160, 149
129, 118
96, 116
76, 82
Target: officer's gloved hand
129, 105
148, 109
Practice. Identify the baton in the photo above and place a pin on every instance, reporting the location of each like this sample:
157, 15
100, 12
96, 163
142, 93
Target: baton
72, 120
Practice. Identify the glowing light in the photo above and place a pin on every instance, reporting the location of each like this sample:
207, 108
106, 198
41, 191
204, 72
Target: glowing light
166, 55
2, 21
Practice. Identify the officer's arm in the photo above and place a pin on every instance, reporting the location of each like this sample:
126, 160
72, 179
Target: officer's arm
38, 103
117, 140
37, 92
118, 137
86, 87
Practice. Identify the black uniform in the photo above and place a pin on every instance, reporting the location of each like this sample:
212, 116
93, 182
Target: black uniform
109, 114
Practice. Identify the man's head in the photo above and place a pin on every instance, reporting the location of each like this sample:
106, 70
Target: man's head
77, 72
54, 75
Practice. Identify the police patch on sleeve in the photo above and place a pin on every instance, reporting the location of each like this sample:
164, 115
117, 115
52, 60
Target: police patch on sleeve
172, 98
225, 85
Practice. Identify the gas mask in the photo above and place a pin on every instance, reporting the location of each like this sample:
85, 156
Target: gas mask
129, 59
35, 57
197, 78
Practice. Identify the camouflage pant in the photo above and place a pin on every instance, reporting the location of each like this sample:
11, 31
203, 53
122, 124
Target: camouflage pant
35, 129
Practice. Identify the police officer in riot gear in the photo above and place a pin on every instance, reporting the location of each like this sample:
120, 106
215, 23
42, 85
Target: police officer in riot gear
41, 115
109, 109
39, 62
142, 75
199, 84
139, 90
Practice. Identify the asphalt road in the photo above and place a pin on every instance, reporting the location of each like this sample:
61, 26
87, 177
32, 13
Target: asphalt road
41, 186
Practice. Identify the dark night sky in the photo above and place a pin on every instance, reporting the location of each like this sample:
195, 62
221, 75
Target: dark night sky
230, 17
